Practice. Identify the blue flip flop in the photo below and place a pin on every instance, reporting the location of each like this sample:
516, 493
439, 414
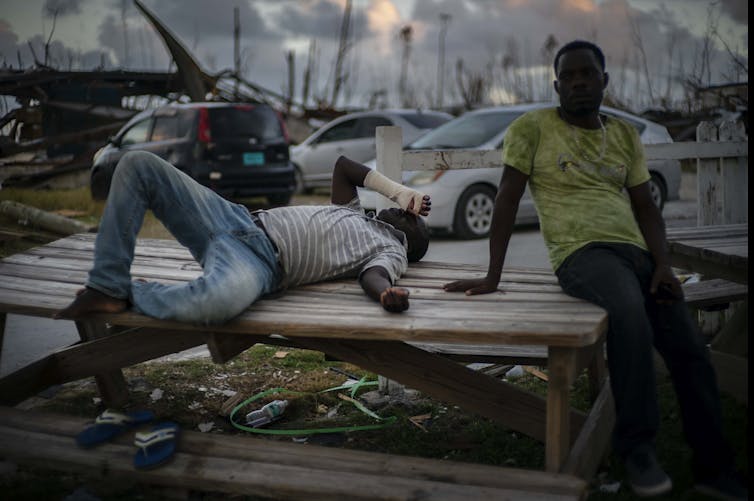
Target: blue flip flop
109, 425
156, 447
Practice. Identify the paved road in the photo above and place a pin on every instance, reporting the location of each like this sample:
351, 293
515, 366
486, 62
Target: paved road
26, 339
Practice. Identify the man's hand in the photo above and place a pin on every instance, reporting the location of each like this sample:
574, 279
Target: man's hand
472, 286
426, 206
665, 287
407, 198
394, 299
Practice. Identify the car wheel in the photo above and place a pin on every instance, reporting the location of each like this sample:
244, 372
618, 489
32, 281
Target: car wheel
99, 183
658, 190
279, 200
301, 188
473, 215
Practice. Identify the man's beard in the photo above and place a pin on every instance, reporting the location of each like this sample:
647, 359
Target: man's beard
583, 109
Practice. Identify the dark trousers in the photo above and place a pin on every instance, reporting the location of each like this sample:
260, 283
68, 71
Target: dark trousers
617, 278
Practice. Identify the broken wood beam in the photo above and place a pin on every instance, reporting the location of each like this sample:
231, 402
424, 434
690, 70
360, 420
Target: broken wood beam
31, 216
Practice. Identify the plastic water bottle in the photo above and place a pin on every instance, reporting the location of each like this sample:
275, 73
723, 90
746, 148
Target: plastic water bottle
267, 414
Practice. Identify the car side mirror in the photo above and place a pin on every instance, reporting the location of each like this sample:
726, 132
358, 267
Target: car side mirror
113, 140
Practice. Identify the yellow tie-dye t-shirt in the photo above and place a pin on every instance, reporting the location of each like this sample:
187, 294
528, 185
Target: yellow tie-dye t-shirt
580, 197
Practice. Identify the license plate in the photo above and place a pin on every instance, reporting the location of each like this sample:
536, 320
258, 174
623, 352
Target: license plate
255, 158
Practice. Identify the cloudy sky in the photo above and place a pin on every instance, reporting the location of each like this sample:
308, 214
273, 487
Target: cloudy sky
502, 43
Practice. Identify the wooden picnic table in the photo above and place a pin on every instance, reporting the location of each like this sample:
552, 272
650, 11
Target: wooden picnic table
338, 319
720, 251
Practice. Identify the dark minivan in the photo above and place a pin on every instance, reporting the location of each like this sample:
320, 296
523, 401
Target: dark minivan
236, 149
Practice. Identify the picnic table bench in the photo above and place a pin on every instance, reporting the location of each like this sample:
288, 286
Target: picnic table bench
720, 253
277, 469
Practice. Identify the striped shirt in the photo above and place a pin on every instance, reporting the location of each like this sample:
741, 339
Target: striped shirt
317, 243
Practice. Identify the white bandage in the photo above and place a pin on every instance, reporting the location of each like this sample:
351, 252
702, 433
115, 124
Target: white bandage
394, 191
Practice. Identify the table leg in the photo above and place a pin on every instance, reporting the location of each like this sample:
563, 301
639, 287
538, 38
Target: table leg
562, 367
3, 316
111, 384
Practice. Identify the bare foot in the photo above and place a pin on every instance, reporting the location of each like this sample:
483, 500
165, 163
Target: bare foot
91, 301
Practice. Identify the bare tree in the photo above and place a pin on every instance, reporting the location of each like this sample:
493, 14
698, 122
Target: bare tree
406, 34
308, 73
290, 57
639, 44
548, 55
472, 86
343, 47
444, 20
123, 8
49, 39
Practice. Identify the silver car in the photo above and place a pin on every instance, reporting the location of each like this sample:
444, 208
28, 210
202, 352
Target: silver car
462, 199
352, 135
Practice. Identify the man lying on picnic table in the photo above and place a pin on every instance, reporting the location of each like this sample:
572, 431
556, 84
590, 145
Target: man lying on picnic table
248, 255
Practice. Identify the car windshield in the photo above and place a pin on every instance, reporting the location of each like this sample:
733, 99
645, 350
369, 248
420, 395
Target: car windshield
244, 121
468, 131
424, 120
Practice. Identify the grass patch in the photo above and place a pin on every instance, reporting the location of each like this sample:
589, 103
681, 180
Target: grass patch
194, 392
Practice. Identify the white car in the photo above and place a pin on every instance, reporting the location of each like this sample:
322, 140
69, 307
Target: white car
353, 135
463, 199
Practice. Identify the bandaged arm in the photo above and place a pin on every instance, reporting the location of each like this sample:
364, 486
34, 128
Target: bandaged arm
396, 192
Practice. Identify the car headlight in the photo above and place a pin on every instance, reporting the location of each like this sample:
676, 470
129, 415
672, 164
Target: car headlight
424, 177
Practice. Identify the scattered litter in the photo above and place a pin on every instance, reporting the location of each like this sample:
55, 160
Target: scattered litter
300, 440
281, 354
516, 372
536, 372
496, 370
194, 406
691, 278
230, 403
225, 393
612, 487
96, 400
331, 413
156, 394
268, 413
70, 212
205, 427
344, 373
420, 420
321, 409
202, 389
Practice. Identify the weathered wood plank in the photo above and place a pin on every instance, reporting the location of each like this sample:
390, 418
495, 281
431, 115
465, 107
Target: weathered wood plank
476, 159
712, 292
110, 381
593, 442
450, 382
360, 473
732, 374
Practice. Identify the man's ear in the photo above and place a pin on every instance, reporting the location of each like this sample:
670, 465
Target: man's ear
606, 78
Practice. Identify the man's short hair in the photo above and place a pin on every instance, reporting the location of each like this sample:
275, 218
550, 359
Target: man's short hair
580, 44
417, 238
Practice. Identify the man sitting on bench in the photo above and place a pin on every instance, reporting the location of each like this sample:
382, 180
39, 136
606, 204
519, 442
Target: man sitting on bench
248, 255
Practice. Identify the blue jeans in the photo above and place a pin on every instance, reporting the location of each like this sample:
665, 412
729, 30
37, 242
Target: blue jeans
617, 278
237, 258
